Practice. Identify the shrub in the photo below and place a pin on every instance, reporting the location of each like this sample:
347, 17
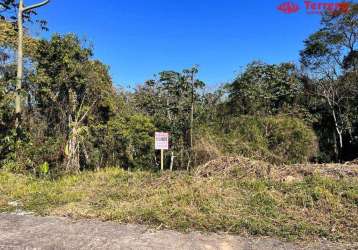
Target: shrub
276, 139
130, 140
291, 139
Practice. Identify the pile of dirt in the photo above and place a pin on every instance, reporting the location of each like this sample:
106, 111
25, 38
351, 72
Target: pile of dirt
333, 170
234, 167
241, 167
354, 162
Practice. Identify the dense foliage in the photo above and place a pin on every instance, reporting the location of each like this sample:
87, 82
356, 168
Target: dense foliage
330, 63
74, 118
276, 139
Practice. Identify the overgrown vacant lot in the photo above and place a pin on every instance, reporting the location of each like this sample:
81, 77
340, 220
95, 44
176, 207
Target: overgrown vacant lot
236, 200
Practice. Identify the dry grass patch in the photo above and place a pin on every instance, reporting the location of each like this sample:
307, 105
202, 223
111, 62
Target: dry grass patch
241, 202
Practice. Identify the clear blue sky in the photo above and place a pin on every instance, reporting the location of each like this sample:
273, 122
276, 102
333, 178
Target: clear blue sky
138, 38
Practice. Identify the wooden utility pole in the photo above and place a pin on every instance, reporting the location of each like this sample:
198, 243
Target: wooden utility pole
19, 63
193, 73
192, 110
20, 55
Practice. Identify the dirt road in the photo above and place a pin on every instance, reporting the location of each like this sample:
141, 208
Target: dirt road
29, 232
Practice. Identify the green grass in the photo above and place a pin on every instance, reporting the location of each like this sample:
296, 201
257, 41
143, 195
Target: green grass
315, 207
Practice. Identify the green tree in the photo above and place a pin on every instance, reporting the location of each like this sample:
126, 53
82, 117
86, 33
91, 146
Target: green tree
8, 40
71, 93
171, 100
264, 89
6, 110
330, 63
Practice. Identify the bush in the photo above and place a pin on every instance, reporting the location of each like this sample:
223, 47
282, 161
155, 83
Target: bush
127, 141
291, 139
276, 139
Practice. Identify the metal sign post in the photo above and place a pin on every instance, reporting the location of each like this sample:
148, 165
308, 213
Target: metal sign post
161, 143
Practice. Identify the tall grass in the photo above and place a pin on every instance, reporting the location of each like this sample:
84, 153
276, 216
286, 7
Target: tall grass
315, 207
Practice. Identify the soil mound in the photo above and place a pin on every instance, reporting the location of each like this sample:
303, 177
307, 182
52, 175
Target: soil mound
241, 167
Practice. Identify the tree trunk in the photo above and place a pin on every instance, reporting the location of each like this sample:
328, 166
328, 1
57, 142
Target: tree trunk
73, 158
168, 110
172, 161
339, 133
189, 162
181, 152
191, 124
335, 147
340, 139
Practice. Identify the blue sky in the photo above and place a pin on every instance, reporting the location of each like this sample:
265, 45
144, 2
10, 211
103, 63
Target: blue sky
138, 38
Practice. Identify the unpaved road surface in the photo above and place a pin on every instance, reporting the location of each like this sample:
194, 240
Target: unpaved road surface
29, 232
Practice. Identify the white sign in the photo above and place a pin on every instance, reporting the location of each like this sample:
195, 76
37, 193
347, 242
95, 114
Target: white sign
161, 141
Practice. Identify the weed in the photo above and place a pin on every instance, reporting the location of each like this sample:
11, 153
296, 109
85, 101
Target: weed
315, 206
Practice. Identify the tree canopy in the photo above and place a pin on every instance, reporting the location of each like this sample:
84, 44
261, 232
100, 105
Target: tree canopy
75, 118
